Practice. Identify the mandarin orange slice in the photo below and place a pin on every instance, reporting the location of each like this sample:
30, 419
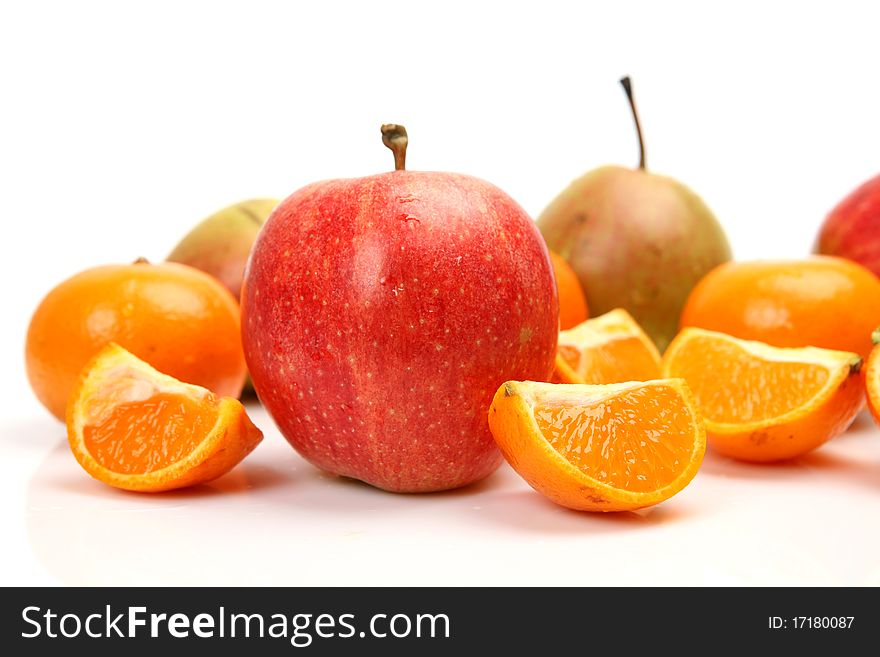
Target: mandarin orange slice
611, 348
135, 428
763, 403
872, 377
616, 447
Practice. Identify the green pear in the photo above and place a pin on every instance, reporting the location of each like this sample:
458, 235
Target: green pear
636, 240
220, 245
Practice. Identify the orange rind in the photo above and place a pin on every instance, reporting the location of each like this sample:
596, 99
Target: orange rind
764, 403
135, 428
611, 348
617, 447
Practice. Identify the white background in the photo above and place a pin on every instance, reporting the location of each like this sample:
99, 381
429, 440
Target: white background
121, 126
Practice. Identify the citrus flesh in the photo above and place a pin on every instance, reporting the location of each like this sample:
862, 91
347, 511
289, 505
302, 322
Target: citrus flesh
600, 447
611, 348
135, 428
764, 403
148, 435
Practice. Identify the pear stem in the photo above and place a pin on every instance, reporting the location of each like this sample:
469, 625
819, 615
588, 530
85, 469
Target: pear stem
627, 87
394, 137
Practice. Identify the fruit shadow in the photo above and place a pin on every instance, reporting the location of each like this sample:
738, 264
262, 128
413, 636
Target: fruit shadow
245, 478
324, 491
526, 511
849, 469
501, 500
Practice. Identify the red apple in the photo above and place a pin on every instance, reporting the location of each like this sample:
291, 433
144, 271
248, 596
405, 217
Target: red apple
852, 229
381, 314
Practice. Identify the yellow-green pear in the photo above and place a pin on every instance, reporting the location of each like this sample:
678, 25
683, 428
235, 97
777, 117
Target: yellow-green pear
636, 240
220, 245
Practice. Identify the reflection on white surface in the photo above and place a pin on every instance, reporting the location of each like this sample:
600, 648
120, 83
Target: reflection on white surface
277, 520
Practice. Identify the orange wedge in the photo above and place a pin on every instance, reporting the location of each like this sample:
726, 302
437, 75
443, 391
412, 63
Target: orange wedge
134, 428
872, 377
763, 403
617, 447
611, 348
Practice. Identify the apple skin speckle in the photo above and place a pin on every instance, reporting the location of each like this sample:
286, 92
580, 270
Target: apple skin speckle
413, 324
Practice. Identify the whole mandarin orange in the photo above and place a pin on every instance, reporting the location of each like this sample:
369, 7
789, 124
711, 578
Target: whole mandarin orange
180, 320
572, 302
820, 301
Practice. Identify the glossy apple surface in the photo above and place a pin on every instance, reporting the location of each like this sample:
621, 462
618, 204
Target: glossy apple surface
380, 314
852, 229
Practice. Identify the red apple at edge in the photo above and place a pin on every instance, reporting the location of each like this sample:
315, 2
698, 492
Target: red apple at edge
381, 314
852, 229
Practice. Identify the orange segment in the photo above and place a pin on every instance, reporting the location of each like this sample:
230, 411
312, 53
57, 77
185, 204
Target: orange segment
763, 403
615, 447
872, 378
134, 428
611, 348
143, 436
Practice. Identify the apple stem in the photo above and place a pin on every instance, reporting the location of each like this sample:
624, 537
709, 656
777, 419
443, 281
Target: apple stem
141, 261
627, 87
394, 137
